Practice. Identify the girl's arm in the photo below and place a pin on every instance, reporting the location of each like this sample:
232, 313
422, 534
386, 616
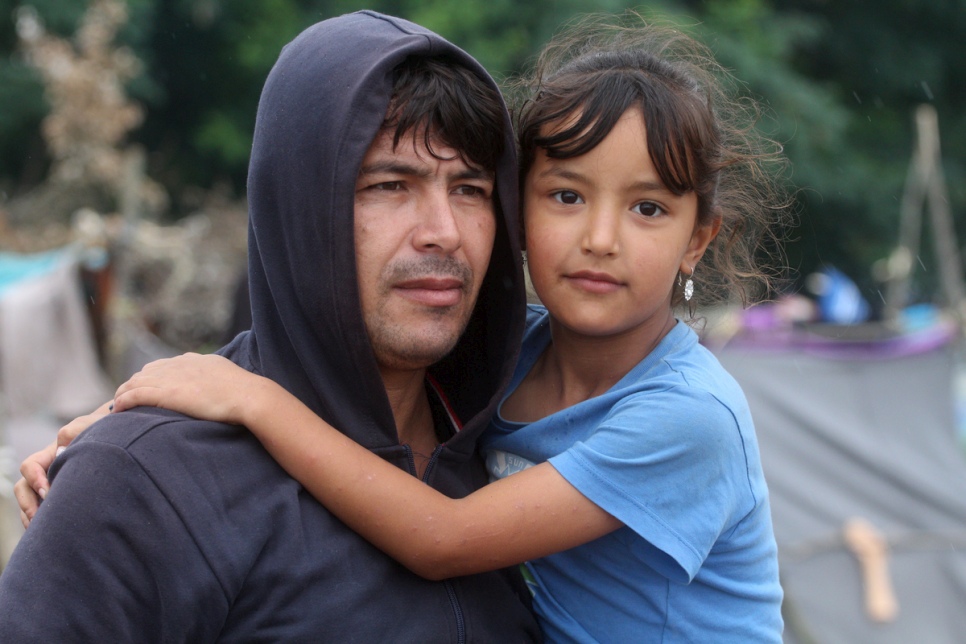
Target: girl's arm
524, 516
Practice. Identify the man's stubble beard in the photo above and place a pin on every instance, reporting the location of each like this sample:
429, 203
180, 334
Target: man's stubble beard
398, 345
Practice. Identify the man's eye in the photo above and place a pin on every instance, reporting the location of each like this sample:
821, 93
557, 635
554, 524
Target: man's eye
568, 197
387, 185
648, 209
471, 191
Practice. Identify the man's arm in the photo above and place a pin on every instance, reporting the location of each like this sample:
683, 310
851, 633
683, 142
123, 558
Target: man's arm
107, 559
31, 489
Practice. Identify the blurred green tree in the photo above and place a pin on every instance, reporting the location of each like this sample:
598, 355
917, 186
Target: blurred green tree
879, 62
22, 158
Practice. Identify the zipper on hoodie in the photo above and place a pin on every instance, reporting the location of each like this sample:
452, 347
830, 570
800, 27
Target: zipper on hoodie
458, 611
448, 584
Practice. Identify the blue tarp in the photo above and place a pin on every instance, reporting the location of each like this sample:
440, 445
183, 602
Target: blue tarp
15, 267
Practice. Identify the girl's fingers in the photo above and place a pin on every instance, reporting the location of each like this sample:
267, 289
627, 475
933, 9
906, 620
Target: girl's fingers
34, 470
27, 499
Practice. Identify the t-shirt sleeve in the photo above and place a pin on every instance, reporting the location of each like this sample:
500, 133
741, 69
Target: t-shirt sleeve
670, 466
106, 558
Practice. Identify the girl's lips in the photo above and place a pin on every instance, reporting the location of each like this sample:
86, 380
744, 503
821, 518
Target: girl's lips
432, 291
594, 282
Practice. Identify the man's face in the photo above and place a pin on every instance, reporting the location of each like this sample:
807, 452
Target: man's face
424, 230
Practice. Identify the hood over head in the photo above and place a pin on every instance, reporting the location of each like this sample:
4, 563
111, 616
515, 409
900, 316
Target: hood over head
322, 105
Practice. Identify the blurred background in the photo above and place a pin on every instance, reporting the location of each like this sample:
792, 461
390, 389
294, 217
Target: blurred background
125, 129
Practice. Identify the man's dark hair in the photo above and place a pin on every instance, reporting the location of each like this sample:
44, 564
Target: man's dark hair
444, 101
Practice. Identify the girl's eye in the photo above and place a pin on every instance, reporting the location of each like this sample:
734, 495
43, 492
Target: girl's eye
648, 209
568, 197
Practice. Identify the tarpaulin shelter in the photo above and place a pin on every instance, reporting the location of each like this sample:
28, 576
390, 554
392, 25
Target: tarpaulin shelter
49, 368
867, 477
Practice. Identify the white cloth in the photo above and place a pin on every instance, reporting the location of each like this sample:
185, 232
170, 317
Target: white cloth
49, 371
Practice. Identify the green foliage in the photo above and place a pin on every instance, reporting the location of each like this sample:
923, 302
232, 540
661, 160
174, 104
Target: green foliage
481, 28
21, 147
760, 44
256, 30
880, 62
220, 137
502, 34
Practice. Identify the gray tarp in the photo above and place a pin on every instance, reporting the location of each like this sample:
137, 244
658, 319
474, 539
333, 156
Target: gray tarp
861, 430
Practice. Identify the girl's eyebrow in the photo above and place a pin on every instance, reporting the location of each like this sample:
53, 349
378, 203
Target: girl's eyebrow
558, 172
650, 186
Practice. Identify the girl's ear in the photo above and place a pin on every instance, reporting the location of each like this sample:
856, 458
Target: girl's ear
700, 239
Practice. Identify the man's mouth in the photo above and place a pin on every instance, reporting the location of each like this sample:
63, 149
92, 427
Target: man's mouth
432, 291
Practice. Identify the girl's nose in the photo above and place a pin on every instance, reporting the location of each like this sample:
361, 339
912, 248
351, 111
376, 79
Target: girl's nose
601, 236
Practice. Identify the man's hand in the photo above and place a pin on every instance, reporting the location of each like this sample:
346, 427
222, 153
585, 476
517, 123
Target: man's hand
32, 488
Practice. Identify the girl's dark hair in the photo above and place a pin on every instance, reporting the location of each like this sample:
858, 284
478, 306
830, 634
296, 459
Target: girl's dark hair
701, 136
442, 100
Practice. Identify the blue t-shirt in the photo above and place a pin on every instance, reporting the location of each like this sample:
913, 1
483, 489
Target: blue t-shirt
670, 451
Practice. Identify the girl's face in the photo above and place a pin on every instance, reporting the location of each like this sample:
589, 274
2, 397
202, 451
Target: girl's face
606, 240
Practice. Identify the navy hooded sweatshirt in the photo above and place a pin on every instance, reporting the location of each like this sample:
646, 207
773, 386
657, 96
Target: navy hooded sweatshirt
163, 528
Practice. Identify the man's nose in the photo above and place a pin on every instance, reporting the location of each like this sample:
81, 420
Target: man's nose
438, 228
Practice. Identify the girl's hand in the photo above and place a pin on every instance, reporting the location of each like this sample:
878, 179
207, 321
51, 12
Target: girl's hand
208, 387
32, 488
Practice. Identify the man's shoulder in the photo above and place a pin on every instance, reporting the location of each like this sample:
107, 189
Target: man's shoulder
177, 452
203, 472
150, 433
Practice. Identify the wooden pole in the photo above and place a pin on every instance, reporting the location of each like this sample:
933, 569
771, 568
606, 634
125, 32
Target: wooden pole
926, 186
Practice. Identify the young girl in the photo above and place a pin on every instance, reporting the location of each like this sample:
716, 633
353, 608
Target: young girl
626, 464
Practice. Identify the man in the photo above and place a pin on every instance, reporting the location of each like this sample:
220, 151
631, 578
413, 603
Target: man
382, 182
